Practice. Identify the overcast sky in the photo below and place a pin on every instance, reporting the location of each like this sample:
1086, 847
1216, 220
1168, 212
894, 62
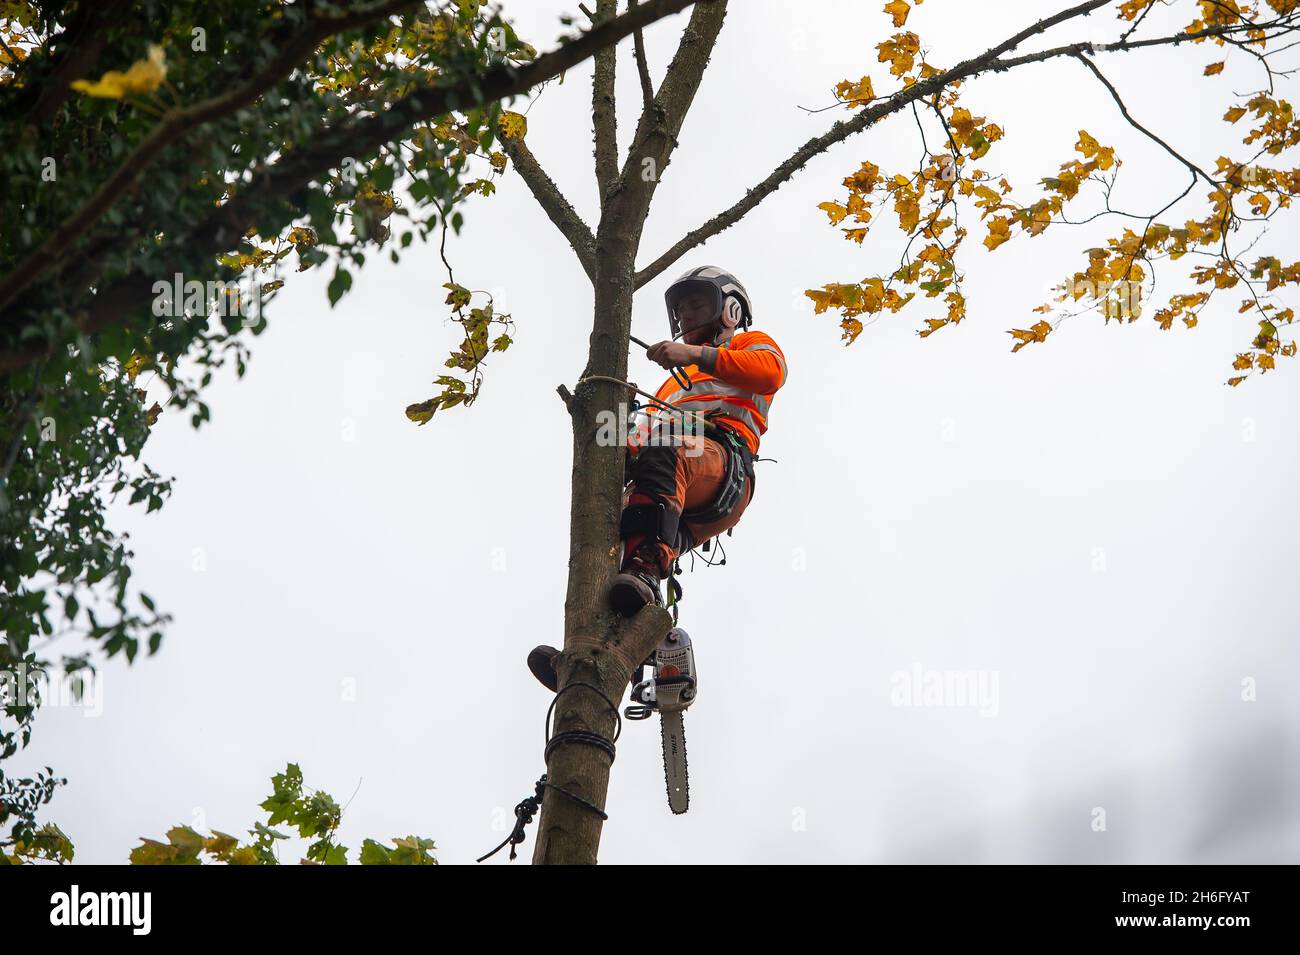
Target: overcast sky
1097, 528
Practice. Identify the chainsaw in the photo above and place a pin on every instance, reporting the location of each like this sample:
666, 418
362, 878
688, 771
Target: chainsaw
670, 690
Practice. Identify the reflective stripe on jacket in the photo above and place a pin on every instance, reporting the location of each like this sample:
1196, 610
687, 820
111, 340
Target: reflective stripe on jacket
737, 379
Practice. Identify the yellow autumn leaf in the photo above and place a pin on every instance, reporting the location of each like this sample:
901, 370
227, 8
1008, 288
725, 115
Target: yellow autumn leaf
865, 179
513, 125
962, 123
1039, 218
956, 306
1104, 156
859, 93
302, 237
1036, 333
821, 299
909, 211
999, 232
1214, 68
899, 52
144, 76
899, 10
836, 211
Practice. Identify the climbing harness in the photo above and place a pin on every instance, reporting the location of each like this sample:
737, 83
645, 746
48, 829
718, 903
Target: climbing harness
528, 807
739, 466
670, 690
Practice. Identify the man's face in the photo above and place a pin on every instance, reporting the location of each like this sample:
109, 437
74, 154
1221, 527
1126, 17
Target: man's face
695, 314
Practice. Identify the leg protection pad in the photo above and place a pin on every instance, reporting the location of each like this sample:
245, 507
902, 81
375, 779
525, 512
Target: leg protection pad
655, 521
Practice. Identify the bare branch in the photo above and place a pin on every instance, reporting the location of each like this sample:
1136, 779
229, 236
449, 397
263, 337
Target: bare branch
642, 66
1195, 169
553, 203
661, 121
604, 113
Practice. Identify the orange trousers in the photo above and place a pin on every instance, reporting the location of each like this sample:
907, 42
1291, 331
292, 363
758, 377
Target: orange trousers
684, 478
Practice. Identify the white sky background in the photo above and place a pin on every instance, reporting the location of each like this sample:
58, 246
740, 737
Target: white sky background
937, 503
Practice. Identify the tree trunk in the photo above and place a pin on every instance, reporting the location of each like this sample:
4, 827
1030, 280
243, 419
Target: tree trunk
600, 648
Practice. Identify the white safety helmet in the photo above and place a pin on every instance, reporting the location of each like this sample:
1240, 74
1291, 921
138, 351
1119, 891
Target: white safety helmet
725, 290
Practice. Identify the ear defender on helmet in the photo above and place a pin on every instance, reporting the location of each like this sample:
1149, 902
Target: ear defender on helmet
733, 313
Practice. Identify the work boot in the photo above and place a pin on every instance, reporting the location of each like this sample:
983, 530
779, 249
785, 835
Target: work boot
541, 661
635, 587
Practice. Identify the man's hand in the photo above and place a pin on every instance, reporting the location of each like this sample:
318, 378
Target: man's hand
668, 354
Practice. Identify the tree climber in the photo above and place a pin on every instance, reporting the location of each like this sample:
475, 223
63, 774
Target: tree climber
683, 492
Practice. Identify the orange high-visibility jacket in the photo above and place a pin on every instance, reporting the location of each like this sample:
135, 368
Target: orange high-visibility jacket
738, 379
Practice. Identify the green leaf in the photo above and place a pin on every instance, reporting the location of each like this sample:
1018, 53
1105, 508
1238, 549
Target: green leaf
372, 853
382, 177
341, 282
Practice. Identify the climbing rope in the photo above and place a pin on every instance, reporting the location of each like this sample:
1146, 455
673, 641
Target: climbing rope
524, 813
583, 736
528, 807
673, 409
